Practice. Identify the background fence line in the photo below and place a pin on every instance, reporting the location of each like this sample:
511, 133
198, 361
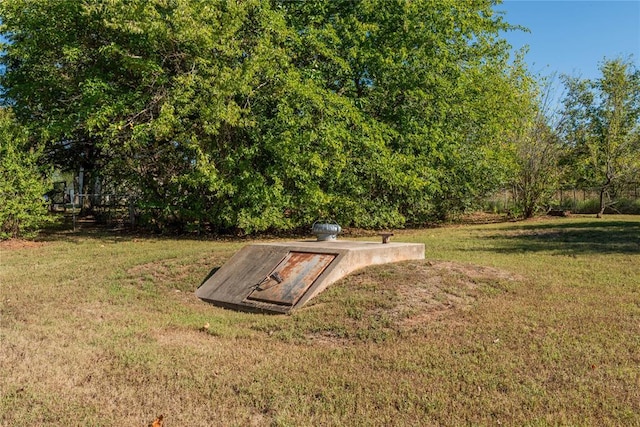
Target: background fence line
577, 200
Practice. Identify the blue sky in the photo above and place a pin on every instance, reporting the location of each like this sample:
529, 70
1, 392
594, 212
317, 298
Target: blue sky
574, 36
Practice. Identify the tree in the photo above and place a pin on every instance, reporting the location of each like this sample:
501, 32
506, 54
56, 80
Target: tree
437, 80
22, 186
539, 152
603, 128
269, 114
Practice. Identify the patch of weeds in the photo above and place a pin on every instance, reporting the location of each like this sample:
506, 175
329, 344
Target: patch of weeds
120, 293
355, 307
292, 336
44, 408
492, 288
378, 329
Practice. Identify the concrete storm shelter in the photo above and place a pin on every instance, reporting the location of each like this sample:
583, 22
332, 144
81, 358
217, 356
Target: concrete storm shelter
280, 277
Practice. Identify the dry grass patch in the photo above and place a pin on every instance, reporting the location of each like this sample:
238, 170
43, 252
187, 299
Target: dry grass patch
385, 302
173, 273
434, 288
534, 323
13, 244
414, 292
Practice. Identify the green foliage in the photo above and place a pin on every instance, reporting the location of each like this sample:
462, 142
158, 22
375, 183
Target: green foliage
538, 156
263, 114
603, 128
22, 187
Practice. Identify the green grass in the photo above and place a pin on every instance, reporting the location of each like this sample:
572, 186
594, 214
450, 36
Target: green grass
524, 323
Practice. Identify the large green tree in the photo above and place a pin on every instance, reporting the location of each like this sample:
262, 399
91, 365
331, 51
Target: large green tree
269, 114
603, 128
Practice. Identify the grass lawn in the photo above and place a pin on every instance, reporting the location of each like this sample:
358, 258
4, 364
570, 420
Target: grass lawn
527, 323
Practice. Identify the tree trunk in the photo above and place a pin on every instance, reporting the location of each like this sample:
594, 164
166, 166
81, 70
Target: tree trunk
601, 211
604, 190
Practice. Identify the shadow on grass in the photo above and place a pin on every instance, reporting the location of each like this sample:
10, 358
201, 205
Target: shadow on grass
90, 229
572, 238
104, 233
211, 273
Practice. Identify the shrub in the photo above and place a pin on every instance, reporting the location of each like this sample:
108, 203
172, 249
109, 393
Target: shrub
22, 186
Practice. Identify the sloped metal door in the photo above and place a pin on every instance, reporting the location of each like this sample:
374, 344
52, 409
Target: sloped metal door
291, 278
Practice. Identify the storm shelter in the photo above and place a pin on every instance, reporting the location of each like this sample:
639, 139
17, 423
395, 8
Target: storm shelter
283, 276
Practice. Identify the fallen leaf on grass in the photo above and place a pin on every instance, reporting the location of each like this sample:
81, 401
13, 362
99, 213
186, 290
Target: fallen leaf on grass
157, 422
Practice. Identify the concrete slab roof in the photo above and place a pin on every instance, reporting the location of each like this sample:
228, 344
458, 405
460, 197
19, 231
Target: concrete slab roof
283, 276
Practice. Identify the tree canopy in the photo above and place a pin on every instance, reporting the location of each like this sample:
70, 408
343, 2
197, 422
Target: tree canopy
603, 128
261, 114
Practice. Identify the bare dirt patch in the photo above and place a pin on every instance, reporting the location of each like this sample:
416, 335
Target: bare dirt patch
15, 244
379, 301
416, 292
434, 288
474, 271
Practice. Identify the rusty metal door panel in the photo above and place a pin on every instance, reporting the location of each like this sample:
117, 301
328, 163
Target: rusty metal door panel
291, 278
